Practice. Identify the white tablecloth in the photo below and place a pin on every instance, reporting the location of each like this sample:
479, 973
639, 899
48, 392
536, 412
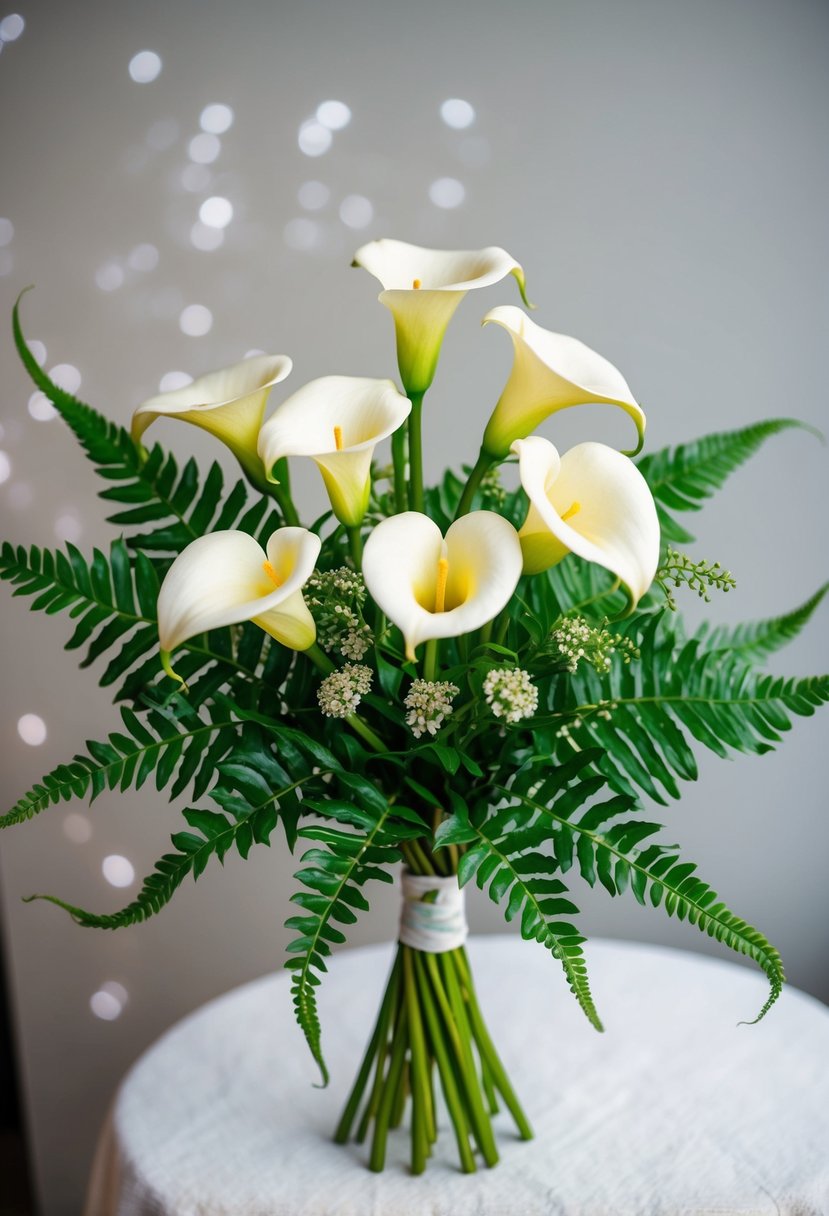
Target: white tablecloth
674, 1110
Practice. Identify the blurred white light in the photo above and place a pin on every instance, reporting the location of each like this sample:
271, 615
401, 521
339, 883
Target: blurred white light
195, 178
195, 320
109, 277
105, 1005
6, 231
77, 828
118, 871
173, 380
313, 196
66, 377
333, 114
115, 989
216, 118
475, 152
41, 408
447, 192
6, 262
145, 66
204, 148
11, 27
38, 350
216, 212
143, 257
356, 211
21, 494
251, 354
302, 234
5, 467
457, 113
206, 238
32, 729
68, 527
163, 134
314, 139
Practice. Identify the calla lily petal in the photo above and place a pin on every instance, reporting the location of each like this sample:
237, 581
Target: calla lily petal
225, 578
422, 288
481, 558
228, 403
591, 501
550, 372
337, 421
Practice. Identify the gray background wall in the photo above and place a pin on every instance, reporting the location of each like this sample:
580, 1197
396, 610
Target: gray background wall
659, 168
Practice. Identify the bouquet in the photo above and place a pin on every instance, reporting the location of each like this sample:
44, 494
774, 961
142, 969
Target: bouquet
466, 681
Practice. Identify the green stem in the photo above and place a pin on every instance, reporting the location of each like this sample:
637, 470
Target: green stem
423, 1122
502, 628
355, 544
486, 1048
398, 455
375, 1048
430, 659
416, 453
482, 1129
483, 463
447, 1077
392, 1083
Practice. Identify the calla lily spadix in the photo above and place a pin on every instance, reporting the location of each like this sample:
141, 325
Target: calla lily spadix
228, 403
422, 288
550, 372
337, 421
593, 502
431, 587
225, 578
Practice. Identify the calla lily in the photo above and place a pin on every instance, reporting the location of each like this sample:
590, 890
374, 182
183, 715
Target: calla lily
225, 578
422, 288
337, 421
550, 372
228, 403
432, 587
593, 502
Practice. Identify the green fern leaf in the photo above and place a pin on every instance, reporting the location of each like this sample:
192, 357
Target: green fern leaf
158, 743
606, 848
332, 879
758, 639
682, 478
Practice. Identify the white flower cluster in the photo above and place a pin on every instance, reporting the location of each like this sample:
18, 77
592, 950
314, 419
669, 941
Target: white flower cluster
335, 598
429, 702
340, 693
577, 639
510, 693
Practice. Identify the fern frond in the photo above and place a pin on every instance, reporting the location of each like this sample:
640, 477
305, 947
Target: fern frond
756, 640
642, 716
504, 853
682, 478
333, 874
187, 748
212, 834
606, 848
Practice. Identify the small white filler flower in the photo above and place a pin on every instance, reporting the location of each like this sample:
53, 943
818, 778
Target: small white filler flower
429, 703
340, 693
510, 693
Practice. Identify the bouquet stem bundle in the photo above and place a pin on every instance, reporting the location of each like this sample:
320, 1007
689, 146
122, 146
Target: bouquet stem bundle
430, 1029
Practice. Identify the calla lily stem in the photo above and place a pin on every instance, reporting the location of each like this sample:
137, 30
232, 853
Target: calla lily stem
482, 465
415, 453
398, 455
355, 544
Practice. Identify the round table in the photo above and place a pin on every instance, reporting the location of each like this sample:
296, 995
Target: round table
675, 1109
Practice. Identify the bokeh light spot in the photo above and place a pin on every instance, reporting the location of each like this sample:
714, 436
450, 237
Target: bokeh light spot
216, 118
40, 407
203, 149
216, 212
77, 828
6, 231
356, 211
11, 27
447, 192
145, 67
195, 320
457, 113
333, 114
170, 381
118, 871
314, 139
32, 729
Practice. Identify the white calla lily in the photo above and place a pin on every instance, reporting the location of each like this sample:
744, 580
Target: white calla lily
229, 403
593, 502
422, 288
225, 578
550, 372
431, 587
337, 421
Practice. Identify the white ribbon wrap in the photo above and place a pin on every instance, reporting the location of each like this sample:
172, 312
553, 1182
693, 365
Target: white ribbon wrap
437, 925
